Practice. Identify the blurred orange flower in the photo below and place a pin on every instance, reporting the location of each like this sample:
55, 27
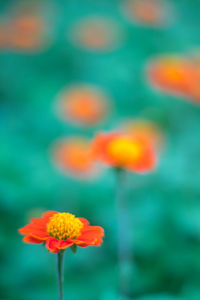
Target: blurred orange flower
176, 75
144, 130
26, 32
74, 156
83, 105
60, 231
96, 33
124, 151
149, 12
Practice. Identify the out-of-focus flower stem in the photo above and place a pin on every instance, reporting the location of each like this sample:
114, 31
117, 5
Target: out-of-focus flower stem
60, 268
124, 254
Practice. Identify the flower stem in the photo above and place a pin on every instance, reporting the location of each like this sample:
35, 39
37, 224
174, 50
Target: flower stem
124, 255
60, 268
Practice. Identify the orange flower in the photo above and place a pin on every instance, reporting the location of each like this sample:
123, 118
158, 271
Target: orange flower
25, 32
150, 12
96, 33
124, 151
74, 155
176, 75
60, 231
83, 105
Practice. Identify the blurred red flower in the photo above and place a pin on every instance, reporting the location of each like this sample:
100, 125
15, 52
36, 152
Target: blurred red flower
124, 151
61, 230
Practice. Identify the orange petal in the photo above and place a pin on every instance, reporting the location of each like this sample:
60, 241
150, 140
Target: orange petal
54, 245
147, 162
38, 221
92, 235
84, 221
38, 225
49, 214
40, 235
100, 146
30, 239
51, 245
32, 228
26, 229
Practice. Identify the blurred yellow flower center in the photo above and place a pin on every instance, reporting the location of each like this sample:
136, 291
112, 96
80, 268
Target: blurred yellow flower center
63, 226
124, 151
173, 71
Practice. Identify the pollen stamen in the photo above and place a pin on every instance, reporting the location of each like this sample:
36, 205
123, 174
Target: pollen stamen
63, 226
124, 150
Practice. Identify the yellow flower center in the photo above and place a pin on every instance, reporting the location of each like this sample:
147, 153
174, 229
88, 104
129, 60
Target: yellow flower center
63, 226
174, 71
124, 151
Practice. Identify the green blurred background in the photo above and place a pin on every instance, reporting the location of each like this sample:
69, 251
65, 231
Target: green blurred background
164, 205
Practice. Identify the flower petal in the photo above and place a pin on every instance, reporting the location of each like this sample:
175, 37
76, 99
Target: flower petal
39, 222
54, 245
84, 221
50, 244
49, 214
147, 162
37, 228
30, 239
34, 230
92, 235
27, 229
40, 235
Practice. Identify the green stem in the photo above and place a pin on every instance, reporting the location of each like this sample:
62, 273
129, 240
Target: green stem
60, 268
124, 255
